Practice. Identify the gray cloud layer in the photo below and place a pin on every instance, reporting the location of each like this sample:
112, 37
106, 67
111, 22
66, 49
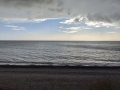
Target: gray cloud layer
107, 11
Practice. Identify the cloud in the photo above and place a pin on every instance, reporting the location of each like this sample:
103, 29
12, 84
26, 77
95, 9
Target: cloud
96, 20
15, 27
61, 27
112, 32
74, 20
96, 13
74, 29
29, 10
70, 30
83, 27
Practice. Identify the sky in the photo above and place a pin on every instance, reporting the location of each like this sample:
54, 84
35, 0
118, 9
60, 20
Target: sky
74, 20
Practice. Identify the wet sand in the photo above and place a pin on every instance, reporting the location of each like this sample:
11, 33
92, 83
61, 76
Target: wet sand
59, 78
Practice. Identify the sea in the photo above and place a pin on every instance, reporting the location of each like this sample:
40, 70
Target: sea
60, 53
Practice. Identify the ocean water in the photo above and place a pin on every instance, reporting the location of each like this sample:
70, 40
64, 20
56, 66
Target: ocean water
88, 53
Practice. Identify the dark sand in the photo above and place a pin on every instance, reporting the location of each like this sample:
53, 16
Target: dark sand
59, 78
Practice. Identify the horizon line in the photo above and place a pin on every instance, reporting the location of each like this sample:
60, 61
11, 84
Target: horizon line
63, 40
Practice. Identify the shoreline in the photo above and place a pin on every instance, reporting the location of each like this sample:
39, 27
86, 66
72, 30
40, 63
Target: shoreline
59, 66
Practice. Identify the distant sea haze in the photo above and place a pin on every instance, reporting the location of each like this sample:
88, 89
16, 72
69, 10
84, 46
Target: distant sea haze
60, 53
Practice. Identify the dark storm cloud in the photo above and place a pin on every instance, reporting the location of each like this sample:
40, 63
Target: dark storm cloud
98, 17
29, 9
26, 3
105, 11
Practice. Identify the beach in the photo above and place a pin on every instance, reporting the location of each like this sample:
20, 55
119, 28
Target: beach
59, 78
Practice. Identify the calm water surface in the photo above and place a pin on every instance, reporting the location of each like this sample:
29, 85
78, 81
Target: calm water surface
59, 53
